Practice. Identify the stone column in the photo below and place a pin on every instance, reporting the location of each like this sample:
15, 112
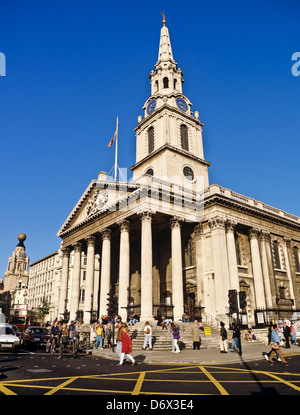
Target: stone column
64, 276
74, 300
89, 282
286, 247
231, 252
257, 269
177, 278
264, 238
220, 263
124, 268
146, 268
200, 258
105, 271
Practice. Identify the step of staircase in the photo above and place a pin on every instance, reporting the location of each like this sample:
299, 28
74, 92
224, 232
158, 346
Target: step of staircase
162, 338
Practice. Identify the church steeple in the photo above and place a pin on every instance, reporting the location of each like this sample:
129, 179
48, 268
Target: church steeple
166, 78
169, 136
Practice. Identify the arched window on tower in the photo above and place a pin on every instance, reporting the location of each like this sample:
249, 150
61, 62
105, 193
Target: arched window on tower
156, 86
175, 83
184, 137
150, 140
166, 82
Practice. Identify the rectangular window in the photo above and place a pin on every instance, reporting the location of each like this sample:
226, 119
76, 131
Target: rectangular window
296, 258
276, 255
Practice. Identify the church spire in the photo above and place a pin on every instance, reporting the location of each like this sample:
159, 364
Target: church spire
165, 50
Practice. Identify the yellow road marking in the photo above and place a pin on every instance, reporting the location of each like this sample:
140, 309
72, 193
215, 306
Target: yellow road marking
6, 391
291, 385
61, 386
214, 381
139, 384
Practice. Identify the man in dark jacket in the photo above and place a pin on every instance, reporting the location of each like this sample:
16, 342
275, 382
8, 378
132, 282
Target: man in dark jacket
236, 337
286, 334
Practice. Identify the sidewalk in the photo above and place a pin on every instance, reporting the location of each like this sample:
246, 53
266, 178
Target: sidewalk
250, 351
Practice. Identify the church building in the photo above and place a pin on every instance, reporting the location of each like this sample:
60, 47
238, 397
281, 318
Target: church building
168, 241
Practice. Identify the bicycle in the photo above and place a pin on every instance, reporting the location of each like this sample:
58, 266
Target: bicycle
51, 345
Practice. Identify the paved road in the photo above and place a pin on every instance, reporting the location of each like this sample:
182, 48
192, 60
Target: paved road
37, 373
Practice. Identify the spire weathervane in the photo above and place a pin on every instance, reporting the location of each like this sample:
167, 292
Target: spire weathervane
164, 18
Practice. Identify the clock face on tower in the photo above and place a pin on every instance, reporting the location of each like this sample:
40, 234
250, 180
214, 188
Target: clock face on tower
181, 104
151, 106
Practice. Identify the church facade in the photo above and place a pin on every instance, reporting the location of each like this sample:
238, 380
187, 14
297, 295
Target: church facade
168, 241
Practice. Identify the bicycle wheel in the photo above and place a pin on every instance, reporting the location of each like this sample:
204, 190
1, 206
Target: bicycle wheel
53, 347
48, 346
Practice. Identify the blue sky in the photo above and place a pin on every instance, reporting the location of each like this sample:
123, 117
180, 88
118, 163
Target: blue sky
73, 66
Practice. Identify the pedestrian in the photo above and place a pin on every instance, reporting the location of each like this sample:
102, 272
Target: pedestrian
286, 334
223, 338
148, 336
293, 334
93, 335
176, 335
108, 334
119, 337
196, 335
126, 346
275, 345
64, 338
270, 332
99, 336
236, 337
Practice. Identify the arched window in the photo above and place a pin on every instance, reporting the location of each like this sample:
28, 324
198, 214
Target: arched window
150, 140
175, 83
166, 82
184, 137
150, 172
156, 86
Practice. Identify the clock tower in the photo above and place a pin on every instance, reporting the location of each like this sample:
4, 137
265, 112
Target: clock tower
169, 136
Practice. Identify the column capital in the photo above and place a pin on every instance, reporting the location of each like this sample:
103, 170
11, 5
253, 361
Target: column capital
77, 246
91, 239
146, 215
198, 231
254, 233
217, 222
124, 225
66, 251
106, 234
230, 225
287, 241
176, 222
265, 236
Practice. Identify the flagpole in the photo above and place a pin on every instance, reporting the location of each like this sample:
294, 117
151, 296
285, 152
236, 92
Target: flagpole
116, 152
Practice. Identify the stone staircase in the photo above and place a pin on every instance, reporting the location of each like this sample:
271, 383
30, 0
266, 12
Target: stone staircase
162, 338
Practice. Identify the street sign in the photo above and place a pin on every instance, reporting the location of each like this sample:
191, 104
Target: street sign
207, 331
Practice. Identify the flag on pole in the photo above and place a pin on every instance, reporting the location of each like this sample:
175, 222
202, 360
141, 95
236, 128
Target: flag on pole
115, 135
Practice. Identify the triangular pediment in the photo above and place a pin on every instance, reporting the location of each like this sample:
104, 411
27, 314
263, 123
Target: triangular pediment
99, 197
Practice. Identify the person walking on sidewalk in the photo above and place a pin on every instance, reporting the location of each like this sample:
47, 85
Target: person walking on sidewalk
275, 344
126, 346
236, 337
176, 334
119, 337
286, 333
99, 336
148, 336
223, 338
196, 335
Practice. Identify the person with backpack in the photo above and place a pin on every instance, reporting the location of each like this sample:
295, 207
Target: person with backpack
148, 336
223, 338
